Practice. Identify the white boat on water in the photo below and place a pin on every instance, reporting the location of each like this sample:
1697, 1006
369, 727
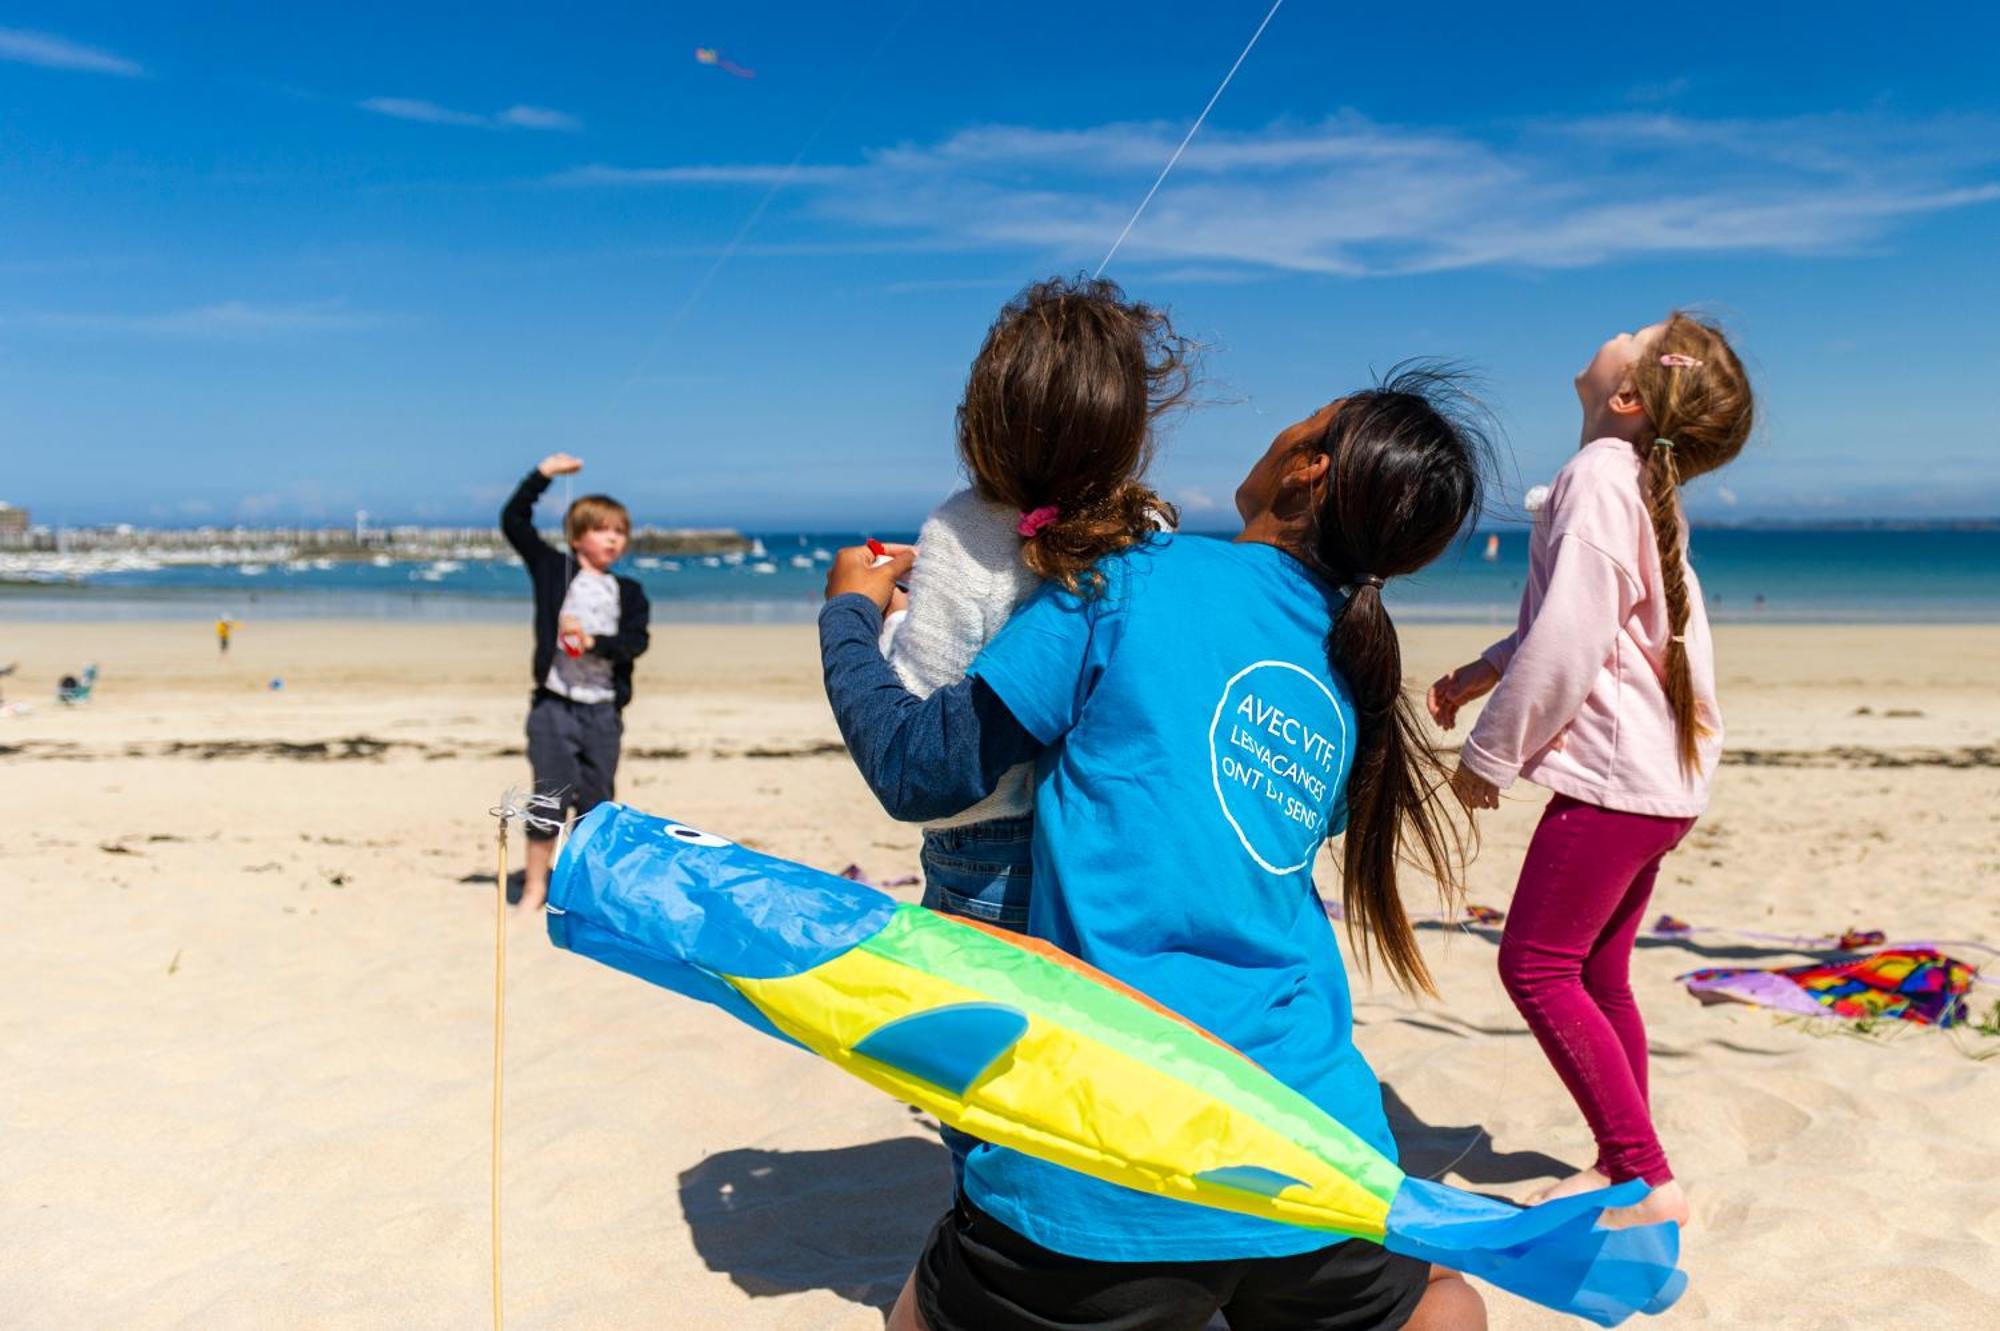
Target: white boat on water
711, 562
671, 565
381, 561
647, 562
823, 555
251, 570
801, 561
757, 550
764, 566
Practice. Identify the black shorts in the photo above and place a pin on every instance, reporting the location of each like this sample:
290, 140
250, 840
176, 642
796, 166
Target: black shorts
976, 1274
573, 749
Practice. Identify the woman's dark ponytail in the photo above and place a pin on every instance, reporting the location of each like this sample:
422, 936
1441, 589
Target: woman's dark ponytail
1404, 478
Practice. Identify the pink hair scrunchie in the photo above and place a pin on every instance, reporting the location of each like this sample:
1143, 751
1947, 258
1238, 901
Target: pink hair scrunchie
1035, 519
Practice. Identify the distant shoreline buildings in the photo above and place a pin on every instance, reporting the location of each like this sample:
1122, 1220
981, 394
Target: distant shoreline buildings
228, 544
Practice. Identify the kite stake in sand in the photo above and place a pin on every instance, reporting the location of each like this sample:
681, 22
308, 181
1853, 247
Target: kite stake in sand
1027, 1048
532, 810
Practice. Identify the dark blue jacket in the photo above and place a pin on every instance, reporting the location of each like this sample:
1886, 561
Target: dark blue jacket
551, 570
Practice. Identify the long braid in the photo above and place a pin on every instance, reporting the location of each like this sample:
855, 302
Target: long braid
1664, 491
1701, 409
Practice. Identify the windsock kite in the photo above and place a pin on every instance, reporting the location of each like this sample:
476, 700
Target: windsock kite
1026, 1047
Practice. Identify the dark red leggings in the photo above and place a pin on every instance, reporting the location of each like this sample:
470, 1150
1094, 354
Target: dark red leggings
1566, 960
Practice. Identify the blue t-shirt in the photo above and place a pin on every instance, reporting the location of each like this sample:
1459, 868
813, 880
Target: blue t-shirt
1199, 749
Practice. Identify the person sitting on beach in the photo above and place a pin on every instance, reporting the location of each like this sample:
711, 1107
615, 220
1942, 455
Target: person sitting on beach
1200, 727
1605, 694
590, 625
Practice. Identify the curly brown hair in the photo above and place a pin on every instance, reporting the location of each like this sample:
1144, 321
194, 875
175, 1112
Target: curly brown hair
1058, 413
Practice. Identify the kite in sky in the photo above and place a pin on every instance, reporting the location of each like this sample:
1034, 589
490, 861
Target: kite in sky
708, 55
1026, 1047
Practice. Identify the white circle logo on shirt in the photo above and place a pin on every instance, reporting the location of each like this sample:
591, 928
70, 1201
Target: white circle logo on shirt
1275, 749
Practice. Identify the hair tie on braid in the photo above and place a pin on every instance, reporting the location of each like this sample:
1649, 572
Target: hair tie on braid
1365, 580
1667, 444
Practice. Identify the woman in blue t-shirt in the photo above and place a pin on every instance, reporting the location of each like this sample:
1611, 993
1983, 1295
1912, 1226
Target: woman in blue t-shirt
1202, 718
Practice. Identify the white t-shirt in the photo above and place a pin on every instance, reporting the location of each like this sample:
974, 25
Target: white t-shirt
593, 599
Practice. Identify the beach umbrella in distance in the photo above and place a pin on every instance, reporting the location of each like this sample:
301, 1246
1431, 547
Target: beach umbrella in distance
1026, 1047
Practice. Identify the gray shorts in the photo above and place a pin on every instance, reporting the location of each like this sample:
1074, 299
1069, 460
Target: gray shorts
573, 749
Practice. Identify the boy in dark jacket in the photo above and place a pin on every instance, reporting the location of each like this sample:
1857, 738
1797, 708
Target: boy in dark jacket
590, 624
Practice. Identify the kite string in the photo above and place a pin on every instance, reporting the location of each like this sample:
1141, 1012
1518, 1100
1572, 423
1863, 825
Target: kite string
1193, 130
756, 214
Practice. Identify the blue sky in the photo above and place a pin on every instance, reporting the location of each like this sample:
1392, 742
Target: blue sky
269, 263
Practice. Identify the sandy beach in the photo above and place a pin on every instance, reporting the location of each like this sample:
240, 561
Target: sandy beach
249, 984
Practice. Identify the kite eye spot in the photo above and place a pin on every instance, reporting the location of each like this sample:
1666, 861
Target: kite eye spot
696, 837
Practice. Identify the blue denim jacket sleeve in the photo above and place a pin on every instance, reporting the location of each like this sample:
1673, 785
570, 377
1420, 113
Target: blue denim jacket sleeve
923, 757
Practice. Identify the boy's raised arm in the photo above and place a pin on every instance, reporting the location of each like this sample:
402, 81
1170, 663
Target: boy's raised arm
517, 518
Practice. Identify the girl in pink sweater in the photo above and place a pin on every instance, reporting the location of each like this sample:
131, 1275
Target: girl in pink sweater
1605, 694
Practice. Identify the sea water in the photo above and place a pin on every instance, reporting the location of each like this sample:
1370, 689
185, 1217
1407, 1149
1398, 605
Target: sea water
1788, 576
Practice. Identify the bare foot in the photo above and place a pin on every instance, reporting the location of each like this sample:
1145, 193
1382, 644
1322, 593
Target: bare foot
1666, 1202
1584, 1180
534, 894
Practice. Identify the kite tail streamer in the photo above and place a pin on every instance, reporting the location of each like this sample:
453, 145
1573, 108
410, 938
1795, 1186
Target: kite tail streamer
1028, 1048
1555, 1254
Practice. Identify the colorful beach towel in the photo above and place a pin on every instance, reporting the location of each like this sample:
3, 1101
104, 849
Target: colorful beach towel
1918, 985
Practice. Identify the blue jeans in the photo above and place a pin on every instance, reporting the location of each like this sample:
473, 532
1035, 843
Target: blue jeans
982, 871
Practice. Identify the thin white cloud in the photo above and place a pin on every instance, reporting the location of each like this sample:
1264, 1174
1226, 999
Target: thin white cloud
539, 117
430, 113
1355, 197
224, 321
599, 174
415, 108
53, 52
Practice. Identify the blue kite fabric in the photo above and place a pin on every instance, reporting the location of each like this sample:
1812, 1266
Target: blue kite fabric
1029, 1048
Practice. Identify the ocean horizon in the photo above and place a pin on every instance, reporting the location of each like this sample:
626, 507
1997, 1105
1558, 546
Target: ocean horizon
1750, 575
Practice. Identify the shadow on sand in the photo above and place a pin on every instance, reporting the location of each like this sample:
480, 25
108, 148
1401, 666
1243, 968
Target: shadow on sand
850, 1220
1466, 1150
1706, 951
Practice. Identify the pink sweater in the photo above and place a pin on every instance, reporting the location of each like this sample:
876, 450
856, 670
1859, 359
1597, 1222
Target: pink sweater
1581, 707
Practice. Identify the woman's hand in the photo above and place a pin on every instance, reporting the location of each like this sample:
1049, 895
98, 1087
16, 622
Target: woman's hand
854, 570
1473, 790
1475, 679
559, 464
